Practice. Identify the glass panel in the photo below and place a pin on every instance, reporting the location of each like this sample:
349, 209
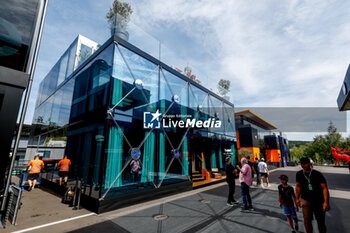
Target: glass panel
85, 149
134, 99
63, 69
84, 53
17, 26
229, 120
199, 105
56, 108
92, 85
66, 103
120, 69
172, 87
71, 60
216, 111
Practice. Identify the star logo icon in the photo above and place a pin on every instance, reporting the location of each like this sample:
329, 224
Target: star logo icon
156, 115
151, 120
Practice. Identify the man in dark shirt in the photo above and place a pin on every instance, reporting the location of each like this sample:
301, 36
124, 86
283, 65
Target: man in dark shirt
230, 179
251, 166
256, 168
312, 195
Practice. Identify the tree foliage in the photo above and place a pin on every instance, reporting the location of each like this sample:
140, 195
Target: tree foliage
224, 86
245, 152
122, 9
319, 148
297, 152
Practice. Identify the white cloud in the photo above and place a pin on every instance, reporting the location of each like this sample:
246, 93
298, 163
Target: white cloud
276, 53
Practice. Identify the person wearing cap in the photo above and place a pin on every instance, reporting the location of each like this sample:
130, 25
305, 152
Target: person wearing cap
230, 179
312, 196
245, 178
286, 197
264, 172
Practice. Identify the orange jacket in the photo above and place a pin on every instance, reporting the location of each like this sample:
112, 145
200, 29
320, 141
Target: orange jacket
37, 165
64, 165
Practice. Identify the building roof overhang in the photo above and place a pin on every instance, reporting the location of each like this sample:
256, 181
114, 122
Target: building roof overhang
255, 119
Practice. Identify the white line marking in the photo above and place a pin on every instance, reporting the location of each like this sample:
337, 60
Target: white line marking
54, 223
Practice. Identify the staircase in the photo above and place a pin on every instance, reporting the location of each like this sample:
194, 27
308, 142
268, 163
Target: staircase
197, 176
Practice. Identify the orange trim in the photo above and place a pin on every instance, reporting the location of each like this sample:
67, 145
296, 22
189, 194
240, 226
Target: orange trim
273, 155
255, 151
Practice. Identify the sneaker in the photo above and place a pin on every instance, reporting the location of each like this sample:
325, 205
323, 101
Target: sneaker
261, 185
269, 185
251, 208
229, 204
296, 227
244, 210
235, 202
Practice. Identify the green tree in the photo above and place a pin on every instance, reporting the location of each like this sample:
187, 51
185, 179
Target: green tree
118, 9
321, 144
298, 152
245, 152
224, 86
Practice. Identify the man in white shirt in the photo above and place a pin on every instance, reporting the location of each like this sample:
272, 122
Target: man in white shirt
264, 172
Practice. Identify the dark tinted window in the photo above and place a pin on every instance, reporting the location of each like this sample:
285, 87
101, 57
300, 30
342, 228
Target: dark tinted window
17, 24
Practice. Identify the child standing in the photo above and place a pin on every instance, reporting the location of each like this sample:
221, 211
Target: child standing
286, 198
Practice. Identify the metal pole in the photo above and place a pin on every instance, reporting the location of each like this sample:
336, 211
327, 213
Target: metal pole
25, 104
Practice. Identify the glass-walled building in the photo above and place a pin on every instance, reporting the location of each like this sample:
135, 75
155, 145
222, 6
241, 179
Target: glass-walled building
136, 126
53, 104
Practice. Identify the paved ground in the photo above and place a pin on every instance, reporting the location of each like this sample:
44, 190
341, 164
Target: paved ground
201, 210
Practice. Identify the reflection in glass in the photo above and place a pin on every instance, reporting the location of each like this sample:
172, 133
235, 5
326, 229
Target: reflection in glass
17, 25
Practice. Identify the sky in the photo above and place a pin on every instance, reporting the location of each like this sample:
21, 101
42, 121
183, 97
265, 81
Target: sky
275, 53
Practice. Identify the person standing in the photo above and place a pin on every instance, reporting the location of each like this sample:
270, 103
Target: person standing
286, 197
64, 169
255, 164
135, 168
251, 166
264, 172
312, 196
245, 178
36, 166
230, 179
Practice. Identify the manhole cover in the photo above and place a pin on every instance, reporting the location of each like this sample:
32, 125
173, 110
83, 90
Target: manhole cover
160, 217
205, 201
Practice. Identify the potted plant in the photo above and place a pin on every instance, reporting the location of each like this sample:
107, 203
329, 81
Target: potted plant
118, 18
224, 88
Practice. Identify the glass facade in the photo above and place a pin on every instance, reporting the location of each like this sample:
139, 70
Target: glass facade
17, 25
111, 150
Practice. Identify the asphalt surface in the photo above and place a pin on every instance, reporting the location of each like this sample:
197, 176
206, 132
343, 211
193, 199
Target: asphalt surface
206, 211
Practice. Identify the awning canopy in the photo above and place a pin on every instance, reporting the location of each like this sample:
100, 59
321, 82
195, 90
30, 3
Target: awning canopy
255, 119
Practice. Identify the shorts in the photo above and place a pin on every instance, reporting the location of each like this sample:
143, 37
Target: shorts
289, 210
264, 174
33, 176
63, 173
311, 209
